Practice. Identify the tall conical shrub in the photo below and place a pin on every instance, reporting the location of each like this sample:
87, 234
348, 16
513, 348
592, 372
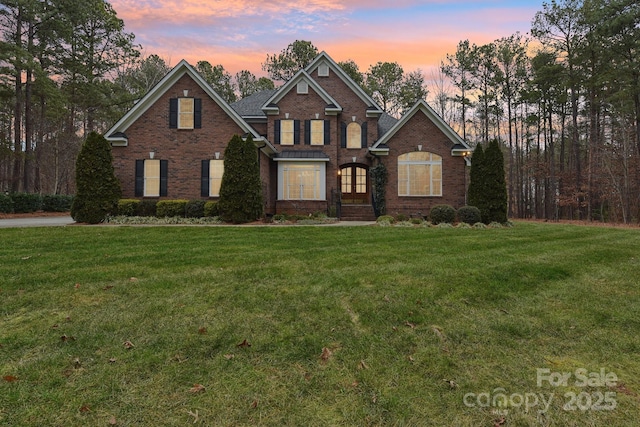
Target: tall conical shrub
495, 184
97, 188
241, 188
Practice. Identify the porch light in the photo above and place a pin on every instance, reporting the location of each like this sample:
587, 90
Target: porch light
317, 116
286, 115
354, 159
152, 154
186, 92
217, 155
353, 118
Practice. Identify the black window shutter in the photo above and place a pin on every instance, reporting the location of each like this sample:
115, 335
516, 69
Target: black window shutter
276, 132
343, 135
139, 186
197, 113
296, 131
307, 132
173, 113
204, 179
363, 130
327, 132
164, 171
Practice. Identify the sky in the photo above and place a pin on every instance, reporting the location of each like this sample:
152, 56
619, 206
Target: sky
239, 34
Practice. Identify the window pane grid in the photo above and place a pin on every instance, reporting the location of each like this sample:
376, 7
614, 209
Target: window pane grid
152, 178
317, 132
301, 182
185, 113
286, 132
419, 174
354, 135
216, 169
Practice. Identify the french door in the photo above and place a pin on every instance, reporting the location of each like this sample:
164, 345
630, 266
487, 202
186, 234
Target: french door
354, 184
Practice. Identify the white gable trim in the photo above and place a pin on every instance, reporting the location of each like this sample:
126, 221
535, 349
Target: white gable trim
422, 106
373, 110
270, 106
115, 135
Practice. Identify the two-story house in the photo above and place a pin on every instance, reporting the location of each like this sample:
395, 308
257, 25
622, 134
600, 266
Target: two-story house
317, 138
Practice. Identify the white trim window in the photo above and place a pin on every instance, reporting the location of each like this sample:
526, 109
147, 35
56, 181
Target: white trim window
216, 170
419, 174
186, 109
151, 178
301, 181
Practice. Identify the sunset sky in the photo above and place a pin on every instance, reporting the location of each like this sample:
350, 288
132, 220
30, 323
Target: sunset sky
240, 33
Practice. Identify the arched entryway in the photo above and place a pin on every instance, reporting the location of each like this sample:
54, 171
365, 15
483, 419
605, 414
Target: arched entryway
354, 184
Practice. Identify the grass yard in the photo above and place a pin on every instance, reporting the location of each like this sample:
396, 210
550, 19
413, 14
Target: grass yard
320, 326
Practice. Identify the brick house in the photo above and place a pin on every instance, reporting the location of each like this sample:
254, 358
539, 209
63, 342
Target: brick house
317, 137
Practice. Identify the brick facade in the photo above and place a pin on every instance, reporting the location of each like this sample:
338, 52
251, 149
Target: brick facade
185, 149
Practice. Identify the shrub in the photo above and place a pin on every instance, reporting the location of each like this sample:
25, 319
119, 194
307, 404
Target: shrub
57, 203
379, 178
98, 189
401, 217
194, 209
386, 218
26, 202
211, 209
469, 215
147, 208
241, 188
442, 214
128, 207
416, 221
169, 208
6, 203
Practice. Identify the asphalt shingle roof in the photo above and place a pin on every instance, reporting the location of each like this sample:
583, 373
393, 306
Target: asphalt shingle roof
251, 106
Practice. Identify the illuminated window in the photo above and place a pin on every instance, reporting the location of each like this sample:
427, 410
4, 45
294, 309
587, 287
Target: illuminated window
301, 181
185, 113
419, 174
216, 169
354, 135
151, 178
286, 132
317, 132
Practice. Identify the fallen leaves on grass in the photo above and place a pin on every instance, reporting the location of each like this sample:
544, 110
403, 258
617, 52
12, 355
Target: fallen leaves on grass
363, 365
326, 354
106, 288
229, 356
10, 378
202, 330
112, 421
197, 388
452, 383
65, 338
244, 343
133, 279
113, 360
500, 422
128, 345
85, 408
409, 324
77, 286
254, 404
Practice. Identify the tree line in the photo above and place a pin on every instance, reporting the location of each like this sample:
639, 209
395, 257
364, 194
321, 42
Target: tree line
564, 102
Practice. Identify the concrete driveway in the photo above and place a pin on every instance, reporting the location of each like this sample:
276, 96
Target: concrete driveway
43, 221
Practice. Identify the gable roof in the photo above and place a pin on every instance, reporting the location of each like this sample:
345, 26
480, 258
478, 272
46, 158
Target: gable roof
117, 134
459, 146
270, 105
373, 109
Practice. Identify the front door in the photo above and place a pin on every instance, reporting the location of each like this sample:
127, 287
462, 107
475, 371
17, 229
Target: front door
354, 184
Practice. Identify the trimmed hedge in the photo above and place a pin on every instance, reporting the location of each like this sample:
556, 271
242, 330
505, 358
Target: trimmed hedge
128, 207
6, 203
169, 208
469, 215
211, 209
442, 214
56, 202
26, 202
147, 208
194, 209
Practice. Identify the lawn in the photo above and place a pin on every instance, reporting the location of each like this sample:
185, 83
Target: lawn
535, 325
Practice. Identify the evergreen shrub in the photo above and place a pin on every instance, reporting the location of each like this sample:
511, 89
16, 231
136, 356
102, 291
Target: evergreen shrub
147, 208
469, 215
6, 203
26, 202
211, 209
194, 209
128, 207
440, 214
57, 202
169, 208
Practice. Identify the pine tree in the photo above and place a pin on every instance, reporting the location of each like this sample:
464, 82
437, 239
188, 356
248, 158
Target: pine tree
97, 188
495, 190
241, 188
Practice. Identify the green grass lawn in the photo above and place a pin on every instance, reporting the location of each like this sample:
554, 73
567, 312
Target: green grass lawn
319, 326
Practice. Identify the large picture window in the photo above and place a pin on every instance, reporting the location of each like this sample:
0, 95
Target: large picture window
301, 181
419, 174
